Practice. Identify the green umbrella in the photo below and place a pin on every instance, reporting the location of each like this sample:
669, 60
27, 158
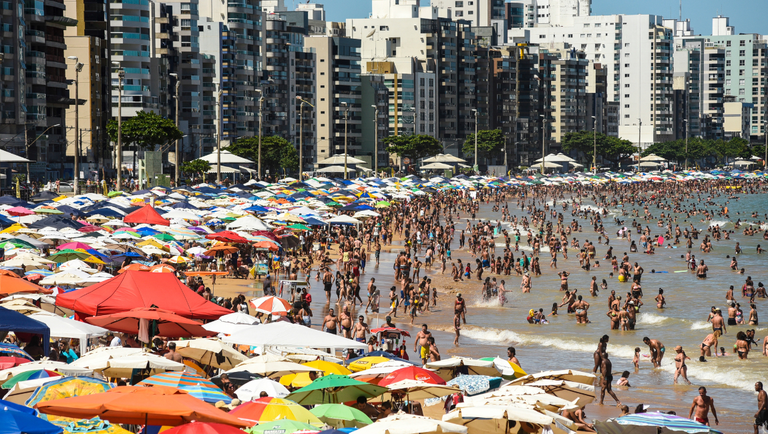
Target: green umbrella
68, 255
282, 426
164, 237
18, 243
341, 416
299, 227
114, 193
335, 389
47, 211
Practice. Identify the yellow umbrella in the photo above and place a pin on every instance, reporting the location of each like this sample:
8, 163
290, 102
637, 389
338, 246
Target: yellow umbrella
12, 228
365, 363
178, 260
94, 260
152, 242
302, 378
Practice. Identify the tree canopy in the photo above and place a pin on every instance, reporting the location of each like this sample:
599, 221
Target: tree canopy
713, 150
196, 167
414, 146
609, 148
145, 130
489, 142
276, 153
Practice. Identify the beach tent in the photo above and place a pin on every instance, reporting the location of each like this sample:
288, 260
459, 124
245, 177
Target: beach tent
12, 321
148, 215
289, 335
134, 289
62, 327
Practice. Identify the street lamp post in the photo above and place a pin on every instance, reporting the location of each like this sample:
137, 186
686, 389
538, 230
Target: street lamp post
176, 97
119, 156
543, 141
301, 135
261, 102
28, 144
78, 68
375, 139
594, 145
218, 142
346, 136
686, 143
477, 164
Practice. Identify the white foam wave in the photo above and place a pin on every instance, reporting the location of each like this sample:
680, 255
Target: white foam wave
651, 318
493, 302
714, 371
543, 248
700, 325
720, 223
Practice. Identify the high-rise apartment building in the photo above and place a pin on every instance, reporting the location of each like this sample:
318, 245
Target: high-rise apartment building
637, 53
88, 41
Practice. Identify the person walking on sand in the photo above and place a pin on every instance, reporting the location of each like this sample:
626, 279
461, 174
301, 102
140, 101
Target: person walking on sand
605, 384
702, 404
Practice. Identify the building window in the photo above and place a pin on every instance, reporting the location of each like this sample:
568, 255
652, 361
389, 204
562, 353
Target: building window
741, 92
741, 82
728, 43
741, 72
742, 43
742, 62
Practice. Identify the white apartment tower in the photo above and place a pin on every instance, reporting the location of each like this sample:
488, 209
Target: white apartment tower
637, 52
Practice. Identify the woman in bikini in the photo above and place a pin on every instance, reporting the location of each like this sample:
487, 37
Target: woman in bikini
680, 367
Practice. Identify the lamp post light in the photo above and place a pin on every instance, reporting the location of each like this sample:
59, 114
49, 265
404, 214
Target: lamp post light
28, 144
594, 146
218, 141
375, 140
543, 141
119, 156
477, 164
301, 135
261, 102
78, 68
346, 136
176, 97
686, 143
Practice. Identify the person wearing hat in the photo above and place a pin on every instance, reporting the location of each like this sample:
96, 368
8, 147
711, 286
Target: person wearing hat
460, 308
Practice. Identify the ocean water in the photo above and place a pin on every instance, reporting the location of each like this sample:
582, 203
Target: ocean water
564, 344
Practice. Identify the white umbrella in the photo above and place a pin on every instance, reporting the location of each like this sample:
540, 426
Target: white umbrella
77, 264
62, 327
339, 159
252, 389
119, 362
343, 219
210, 352
272, 366
417, 390
566, 375
494, 419
568, 390
403, 423
60, 367
653, 157
444, 158
436, 166
335, 169
231, 323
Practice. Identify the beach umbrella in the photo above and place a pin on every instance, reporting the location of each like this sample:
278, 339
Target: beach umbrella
224, 250
196, 385
302, 379
203, 428
271, 305
652, 423
375, 374
367, 362
18, 211
29, 375
568, 390
66, 387
341, 416
417, 390
252, 389
284, 426
411, 373
68, 255
157, 405
227, 237
93, 426
475, 384
167, 323
15, 285
334, 389
495, 419
566, 375
268, 409
162, 268
74, 245
120, 362
135, 266
271, 366
177, 260
13, 421
508, 370
231, 323
403, 423
211, 352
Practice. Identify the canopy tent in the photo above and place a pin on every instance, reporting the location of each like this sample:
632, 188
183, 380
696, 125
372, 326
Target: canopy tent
133, 289
148, 215
339, 159
436, 166
226, 158
444, 158
290, 335
12, 321
649, 164
224, 169
7, 157
335, 169
62, 327
547, 165
743, 163
652, 157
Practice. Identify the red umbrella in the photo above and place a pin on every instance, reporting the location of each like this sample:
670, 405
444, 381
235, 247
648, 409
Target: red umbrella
271, 305
7, 362
226, 236
146, 214
203, 428
19, 211
391, 329
411, 373
168, 323
134, 267
267, 234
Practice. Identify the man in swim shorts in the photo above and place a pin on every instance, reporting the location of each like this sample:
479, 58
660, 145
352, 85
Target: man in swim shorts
702, 404
657, 351
421, 340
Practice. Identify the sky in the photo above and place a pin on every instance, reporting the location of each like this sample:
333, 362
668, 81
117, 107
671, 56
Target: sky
748, 16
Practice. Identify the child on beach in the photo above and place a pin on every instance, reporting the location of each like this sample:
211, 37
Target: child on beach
636, 359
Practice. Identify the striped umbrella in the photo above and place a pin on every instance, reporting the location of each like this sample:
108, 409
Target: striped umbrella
667, 422
271, 305
196, 385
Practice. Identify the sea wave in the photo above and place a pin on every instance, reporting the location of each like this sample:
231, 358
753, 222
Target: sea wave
651, 318
714, 371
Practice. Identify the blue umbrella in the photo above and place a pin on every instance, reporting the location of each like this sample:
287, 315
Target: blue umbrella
18, 407
15, 422
658, 420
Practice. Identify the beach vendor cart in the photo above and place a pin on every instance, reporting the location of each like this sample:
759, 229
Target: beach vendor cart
389, 338
292, 287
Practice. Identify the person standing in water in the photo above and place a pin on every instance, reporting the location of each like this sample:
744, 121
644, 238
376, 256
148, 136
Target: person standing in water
681, 369
702, 405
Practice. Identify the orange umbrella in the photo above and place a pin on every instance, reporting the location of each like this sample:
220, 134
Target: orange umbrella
266, 245
162, 268
168, 323
12, 285
133, 405
134, 267
8, 273
221, 249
